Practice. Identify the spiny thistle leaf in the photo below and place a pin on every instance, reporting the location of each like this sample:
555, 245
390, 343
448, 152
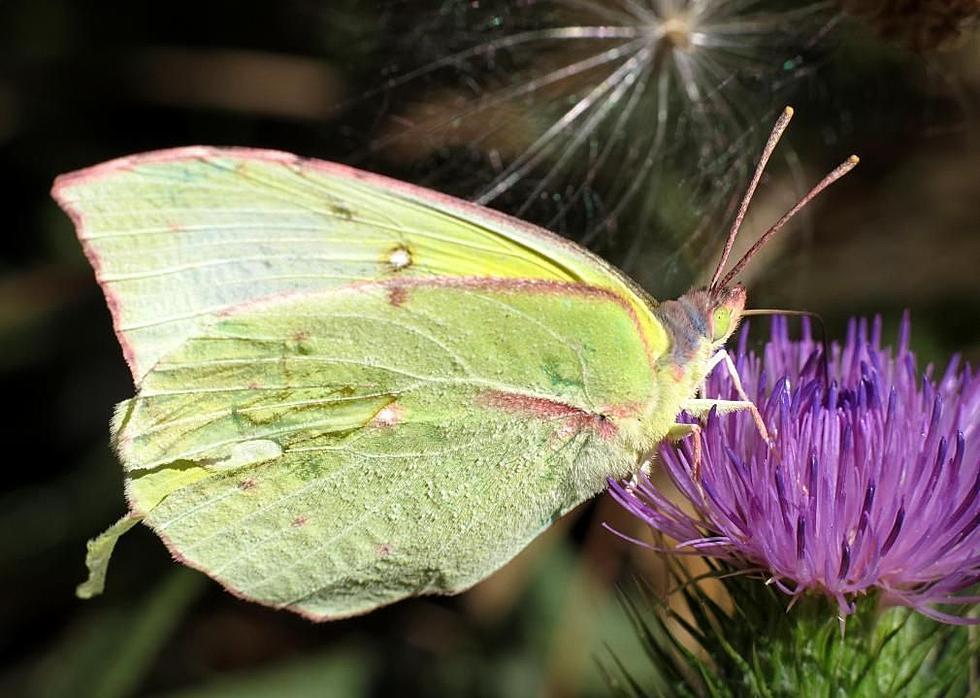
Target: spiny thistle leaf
766, 649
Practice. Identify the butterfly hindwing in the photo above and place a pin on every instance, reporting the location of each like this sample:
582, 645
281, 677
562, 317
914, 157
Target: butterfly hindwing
334, 451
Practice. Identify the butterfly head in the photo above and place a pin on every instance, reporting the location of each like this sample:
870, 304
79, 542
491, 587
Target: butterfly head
711, 315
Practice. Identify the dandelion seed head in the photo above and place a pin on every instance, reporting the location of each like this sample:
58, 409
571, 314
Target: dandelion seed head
629, 125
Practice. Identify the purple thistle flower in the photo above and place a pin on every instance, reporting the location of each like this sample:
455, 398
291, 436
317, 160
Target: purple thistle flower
873, 483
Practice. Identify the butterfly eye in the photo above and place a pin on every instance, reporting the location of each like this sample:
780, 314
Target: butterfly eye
721, 320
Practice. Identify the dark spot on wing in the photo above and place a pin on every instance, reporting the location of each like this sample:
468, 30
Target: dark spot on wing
558, 375
300, 342
397, 296
342, 212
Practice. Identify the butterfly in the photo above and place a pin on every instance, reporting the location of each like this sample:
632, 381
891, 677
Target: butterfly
351, 390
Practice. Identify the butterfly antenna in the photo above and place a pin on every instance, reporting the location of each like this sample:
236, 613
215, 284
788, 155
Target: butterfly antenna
774, 136
838, 172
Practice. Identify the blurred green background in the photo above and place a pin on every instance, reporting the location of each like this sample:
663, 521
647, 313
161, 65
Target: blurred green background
369, 83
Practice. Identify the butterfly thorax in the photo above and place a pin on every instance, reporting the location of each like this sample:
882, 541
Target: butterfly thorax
697, 325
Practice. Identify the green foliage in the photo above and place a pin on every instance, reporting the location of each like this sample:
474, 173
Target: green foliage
340, 673
740, 636
110, 651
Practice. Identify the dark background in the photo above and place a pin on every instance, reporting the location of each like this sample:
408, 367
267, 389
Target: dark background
84, 82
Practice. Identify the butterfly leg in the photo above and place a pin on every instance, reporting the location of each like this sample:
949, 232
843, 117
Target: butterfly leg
720, 356
645, 469
681, 431
723, 357
700, 407
677, 432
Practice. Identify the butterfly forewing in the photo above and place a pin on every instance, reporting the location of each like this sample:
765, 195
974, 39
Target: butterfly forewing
177, 236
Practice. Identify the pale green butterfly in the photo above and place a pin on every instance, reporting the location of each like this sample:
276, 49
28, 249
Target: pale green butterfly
351, 390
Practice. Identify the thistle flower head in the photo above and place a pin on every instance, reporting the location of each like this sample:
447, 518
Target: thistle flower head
872, 484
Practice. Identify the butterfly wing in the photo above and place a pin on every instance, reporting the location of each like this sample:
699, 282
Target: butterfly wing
176, 236
352, 390
335, 451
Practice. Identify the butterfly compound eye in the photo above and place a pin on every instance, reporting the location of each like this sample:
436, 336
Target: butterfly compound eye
721, 320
